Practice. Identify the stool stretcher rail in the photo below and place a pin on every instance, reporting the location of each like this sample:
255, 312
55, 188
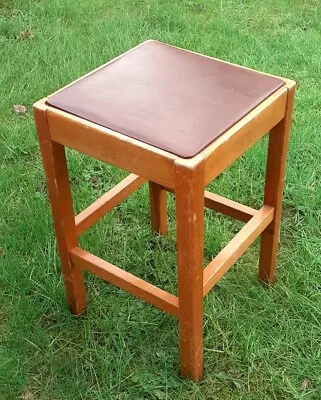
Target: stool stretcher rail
226, 206
124, 280
107, 202
236, 247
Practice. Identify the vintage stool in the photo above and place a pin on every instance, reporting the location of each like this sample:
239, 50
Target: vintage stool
176, 119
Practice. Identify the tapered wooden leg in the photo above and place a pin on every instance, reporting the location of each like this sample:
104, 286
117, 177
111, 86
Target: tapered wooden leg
158, 208
274, 184
54, 161
190, 234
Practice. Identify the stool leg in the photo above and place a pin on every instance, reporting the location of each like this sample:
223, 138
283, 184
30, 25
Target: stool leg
274, 184
158, 208
54, 161
190, 235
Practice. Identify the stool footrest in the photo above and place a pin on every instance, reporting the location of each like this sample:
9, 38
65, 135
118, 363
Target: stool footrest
107, 202
124, 280
236, 247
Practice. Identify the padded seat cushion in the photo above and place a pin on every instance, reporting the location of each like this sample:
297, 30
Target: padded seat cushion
170, 98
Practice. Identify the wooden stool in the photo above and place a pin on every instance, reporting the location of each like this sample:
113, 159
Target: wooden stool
176, 119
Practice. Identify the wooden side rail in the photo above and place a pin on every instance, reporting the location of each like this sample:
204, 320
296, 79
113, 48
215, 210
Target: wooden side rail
107, 202
226, 206
244, 134
236, 247
124, 280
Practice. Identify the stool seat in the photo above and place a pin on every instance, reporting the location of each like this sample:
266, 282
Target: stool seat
167, 97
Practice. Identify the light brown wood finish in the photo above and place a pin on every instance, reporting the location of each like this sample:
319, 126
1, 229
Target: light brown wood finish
274, 184
126, 281
190, 231
236, 247
111, 147
243, 135
54, 161
188, 179
158, 208
107, 202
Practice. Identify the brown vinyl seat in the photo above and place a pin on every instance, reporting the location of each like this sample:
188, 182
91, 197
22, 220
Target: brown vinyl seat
169, 98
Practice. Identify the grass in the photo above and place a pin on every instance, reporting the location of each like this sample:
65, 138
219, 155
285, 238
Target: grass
259, 343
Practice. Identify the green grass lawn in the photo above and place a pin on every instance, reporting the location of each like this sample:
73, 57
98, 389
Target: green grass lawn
260, 343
